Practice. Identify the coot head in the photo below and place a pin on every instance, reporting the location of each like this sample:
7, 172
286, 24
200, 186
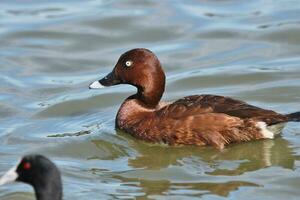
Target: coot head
38, 171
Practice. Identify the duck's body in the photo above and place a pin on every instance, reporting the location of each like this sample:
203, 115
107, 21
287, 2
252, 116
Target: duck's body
193, 120
198, 120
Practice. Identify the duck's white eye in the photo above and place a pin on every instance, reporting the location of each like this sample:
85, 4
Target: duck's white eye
128, 63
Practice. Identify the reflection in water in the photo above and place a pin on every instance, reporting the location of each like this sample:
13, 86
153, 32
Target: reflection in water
162, 170
254, 156
17, 196
163, 187
251, 155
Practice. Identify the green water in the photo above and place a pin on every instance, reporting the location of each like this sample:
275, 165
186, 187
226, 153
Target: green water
51, 50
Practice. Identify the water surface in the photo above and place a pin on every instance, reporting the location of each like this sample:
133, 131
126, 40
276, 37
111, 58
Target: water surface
51, 50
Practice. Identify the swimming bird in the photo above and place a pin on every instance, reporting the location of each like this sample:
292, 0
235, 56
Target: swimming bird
39, 172
192, 120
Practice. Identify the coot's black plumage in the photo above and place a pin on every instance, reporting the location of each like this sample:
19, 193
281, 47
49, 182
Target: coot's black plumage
41, 173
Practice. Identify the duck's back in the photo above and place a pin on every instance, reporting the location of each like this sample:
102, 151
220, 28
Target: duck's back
198, 104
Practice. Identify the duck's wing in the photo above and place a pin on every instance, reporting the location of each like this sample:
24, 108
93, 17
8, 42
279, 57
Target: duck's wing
197, 104
215, 129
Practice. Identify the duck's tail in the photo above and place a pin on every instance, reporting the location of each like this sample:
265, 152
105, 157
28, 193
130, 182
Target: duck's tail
294, 117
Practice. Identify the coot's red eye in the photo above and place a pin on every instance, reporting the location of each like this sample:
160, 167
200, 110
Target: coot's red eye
26, 165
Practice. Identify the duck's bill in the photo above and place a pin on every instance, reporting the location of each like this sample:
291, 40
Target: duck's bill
96, 85
10, 176
109, 80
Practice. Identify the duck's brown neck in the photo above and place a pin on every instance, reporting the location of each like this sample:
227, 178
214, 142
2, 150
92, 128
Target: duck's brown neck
150, 94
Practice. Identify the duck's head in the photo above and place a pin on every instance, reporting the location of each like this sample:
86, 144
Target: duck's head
39, 172
140, 68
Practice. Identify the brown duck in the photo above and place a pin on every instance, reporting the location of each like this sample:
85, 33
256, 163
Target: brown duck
193, 120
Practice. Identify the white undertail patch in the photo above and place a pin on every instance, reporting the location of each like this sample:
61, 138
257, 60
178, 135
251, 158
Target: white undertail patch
264, 130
